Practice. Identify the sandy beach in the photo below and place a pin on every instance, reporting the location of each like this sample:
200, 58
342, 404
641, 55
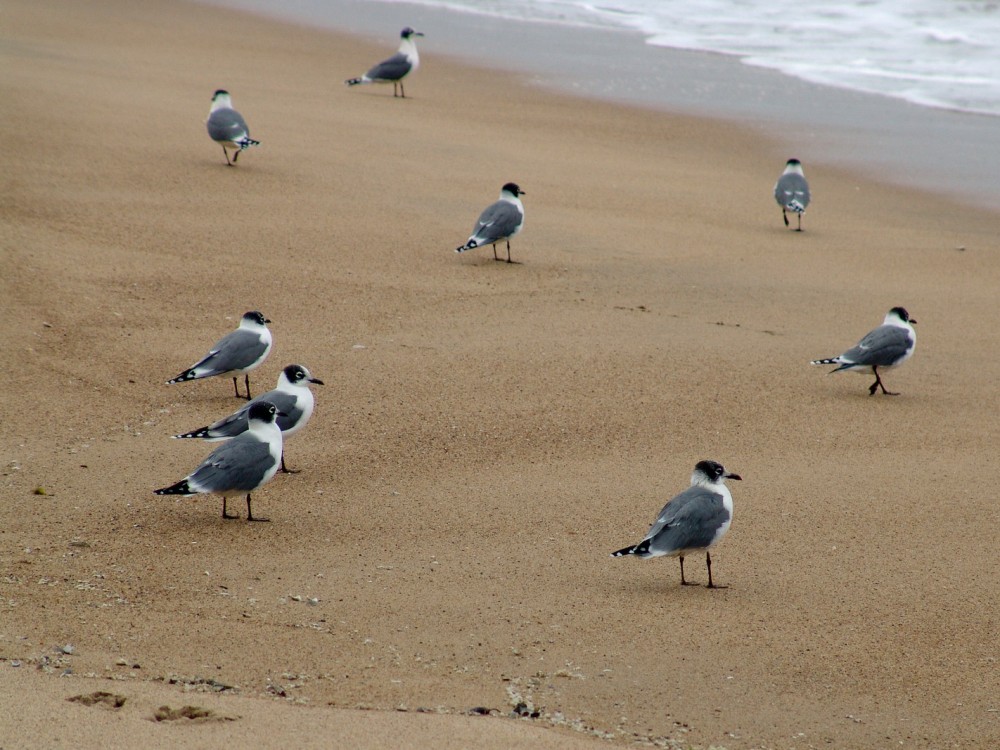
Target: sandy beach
487, 433
951, 153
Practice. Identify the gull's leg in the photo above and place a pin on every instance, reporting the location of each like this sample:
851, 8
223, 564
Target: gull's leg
250, 512
225, 514
285, 469
878, 384
708, 562
684, 582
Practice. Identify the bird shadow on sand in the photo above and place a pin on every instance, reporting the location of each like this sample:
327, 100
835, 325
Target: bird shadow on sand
668, 586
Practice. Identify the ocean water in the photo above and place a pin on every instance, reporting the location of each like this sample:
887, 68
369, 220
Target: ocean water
904, 92
937, 53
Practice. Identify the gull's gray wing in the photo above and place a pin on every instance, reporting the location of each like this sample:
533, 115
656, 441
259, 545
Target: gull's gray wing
496, 222
792, 188
392, 69
881, 347
226, 125
231, 426
237, 466
237, 422
689, 521
234, 351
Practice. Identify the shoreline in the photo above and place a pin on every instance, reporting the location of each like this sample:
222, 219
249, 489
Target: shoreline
952, 153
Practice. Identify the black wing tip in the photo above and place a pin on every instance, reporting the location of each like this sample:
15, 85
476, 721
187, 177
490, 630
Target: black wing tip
637, 549
194, 434
181, 488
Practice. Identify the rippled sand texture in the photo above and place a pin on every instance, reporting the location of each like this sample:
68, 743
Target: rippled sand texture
488, 433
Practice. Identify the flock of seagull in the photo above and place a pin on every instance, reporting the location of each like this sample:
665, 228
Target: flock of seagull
693, 521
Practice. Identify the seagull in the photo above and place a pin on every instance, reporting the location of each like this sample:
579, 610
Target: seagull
397, 67
293, 399
499, 221
239, 351
792, 191
888, 346
693, 521
244, 464
227, 127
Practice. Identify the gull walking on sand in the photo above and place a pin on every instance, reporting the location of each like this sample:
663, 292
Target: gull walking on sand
888, 346
397, 67
292, 398
236, 353
241, 466
227, 127
498, 222
792, 191
693, 521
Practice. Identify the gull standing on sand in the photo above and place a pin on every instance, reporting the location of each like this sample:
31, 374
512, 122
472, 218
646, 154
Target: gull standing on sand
888, 346
238, 352
693, 521
498, 222
244, 464
227, 127
397, 67
792, 191
292, 398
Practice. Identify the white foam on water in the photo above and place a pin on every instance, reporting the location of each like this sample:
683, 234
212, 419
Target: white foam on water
937, 53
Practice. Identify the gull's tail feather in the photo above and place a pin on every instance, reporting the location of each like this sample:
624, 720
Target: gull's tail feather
181, 488
637, 549
201, 432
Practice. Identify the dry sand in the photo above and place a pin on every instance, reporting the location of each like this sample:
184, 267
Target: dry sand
487, 433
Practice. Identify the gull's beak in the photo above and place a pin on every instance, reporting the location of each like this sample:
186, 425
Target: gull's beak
913, 322
734, 476
267, 320
317, 381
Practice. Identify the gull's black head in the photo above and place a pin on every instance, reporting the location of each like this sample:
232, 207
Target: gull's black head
513, 189
298, 373
903, 315
408, 32
255, 316
295, 373
793, 163
713, 471
263, 411
218, 93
